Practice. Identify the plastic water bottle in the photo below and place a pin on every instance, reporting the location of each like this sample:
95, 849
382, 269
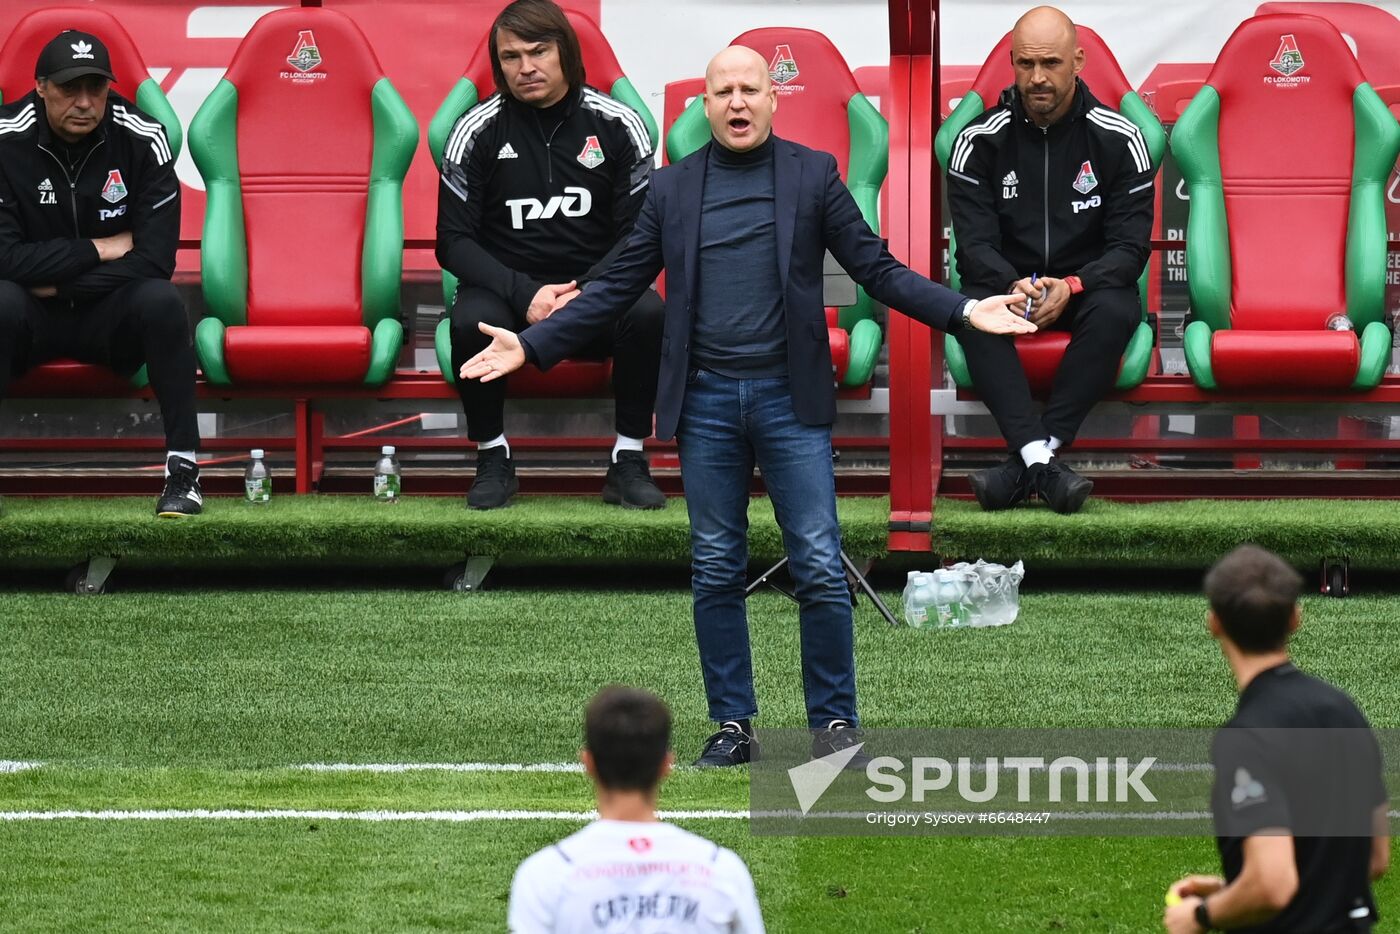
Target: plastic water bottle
257, 479
918, 597
951, 590
386, 476
1339, 322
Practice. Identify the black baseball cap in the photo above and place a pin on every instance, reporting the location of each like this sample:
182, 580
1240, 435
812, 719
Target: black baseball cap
72, 54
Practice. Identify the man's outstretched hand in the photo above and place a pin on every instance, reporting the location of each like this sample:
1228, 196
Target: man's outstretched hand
1001, 314
504, 356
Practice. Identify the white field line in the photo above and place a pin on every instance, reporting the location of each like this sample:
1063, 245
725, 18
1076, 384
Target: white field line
366, 816
392, 767
478, 816
7, 766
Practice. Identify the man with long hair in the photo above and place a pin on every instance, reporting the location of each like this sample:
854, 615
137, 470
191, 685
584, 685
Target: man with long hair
541, 184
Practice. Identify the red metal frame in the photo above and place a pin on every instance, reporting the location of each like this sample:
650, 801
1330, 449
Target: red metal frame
916, 453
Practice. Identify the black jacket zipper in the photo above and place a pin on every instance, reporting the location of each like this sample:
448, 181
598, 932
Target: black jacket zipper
73, 188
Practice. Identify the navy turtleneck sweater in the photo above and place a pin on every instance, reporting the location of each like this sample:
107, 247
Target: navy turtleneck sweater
739, 329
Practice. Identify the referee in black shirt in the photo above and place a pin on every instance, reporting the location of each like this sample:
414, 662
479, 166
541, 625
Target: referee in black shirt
1297, 755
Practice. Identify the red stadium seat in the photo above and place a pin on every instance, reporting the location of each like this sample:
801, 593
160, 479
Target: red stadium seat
1372, 31
1286, 153
134, 82
574, 378
303, 147
1041, 352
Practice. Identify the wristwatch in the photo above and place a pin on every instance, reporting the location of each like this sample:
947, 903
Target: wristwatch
965, 319
1203, 916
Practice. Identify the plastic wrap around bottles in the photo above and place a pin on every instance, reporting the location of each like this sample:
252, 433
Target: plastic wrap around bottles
978, 594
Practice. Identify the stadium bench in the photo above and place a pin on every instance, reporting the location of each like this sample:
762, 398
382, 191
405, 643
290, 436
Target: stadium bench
303, 147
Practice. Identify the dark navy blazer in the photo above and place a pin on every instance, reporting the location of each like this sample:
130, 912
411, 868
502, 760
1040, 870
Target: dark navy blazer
815, 213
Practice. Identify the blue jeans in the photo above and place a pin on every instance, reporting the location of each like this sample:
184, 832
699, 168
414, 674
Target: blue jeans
726, 426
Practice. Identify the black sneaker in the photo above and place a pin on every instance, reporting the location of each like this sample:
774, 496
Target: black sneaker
182, 496
629, 483
837, 736
495, 481
1059, 486
730, 746
1000, 487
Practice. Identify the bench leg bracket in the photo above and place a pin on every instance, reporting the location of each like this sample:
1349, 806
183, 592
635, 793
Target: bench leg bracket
470, 575
90, 578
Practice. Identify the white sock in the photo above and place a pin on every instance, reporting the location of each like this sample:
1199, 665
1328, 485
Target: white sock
1054, 443
498, 441
1037, 452
187, 455
625, 443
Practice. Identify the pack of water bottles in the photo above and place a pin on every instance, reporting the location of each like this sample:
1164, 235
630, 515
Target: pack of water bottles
978, 594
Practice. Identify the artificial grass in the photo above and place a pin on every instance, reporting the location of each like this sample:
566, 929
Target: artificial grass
297, 876
263, 680
202, 699
316, 530
1172, 535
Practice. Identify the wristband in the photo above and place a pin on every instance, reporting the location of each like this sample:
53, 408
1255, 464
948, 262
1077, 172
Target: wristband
1075, 286
1203, 916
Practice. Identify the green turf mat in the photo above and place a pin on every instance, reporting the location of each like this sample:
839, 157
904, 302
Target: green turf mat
1182, 535
301, 530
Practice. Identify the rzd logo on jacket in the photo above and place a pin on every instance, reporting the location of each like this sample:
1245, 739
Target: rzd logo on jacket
574, 202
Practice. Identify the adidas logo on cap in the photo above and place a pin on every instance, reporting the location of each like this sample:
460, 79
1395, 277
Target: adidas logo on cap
507, 153
1010, 178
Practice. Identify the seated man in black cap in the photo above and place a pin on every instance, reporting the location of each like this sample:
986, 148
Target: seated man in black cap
89, 224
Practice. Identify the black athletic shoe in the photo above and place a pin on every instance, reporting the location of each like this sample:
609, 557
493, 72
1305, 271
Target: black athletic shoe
629, 483
837, 736
495, 481
1002, 486
730, 746
182, 496
1059, 486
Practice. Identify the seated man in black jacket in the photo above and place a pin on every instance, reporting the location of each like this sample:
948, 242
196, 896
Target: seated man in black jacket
1051, 196
541, 184
89, 224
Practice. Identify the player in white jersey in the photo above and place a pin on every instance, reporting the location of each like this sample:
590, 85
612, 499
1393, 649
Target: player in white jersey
627, 871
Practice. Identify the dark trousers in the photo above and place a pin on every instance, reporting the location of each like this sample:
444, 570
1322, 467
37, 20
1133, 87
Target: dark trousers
1100, 322
143, 322
634, 344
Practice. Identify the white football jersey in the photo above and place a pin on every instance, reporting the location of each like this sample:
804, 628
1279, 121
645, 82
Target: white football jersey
638, 878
